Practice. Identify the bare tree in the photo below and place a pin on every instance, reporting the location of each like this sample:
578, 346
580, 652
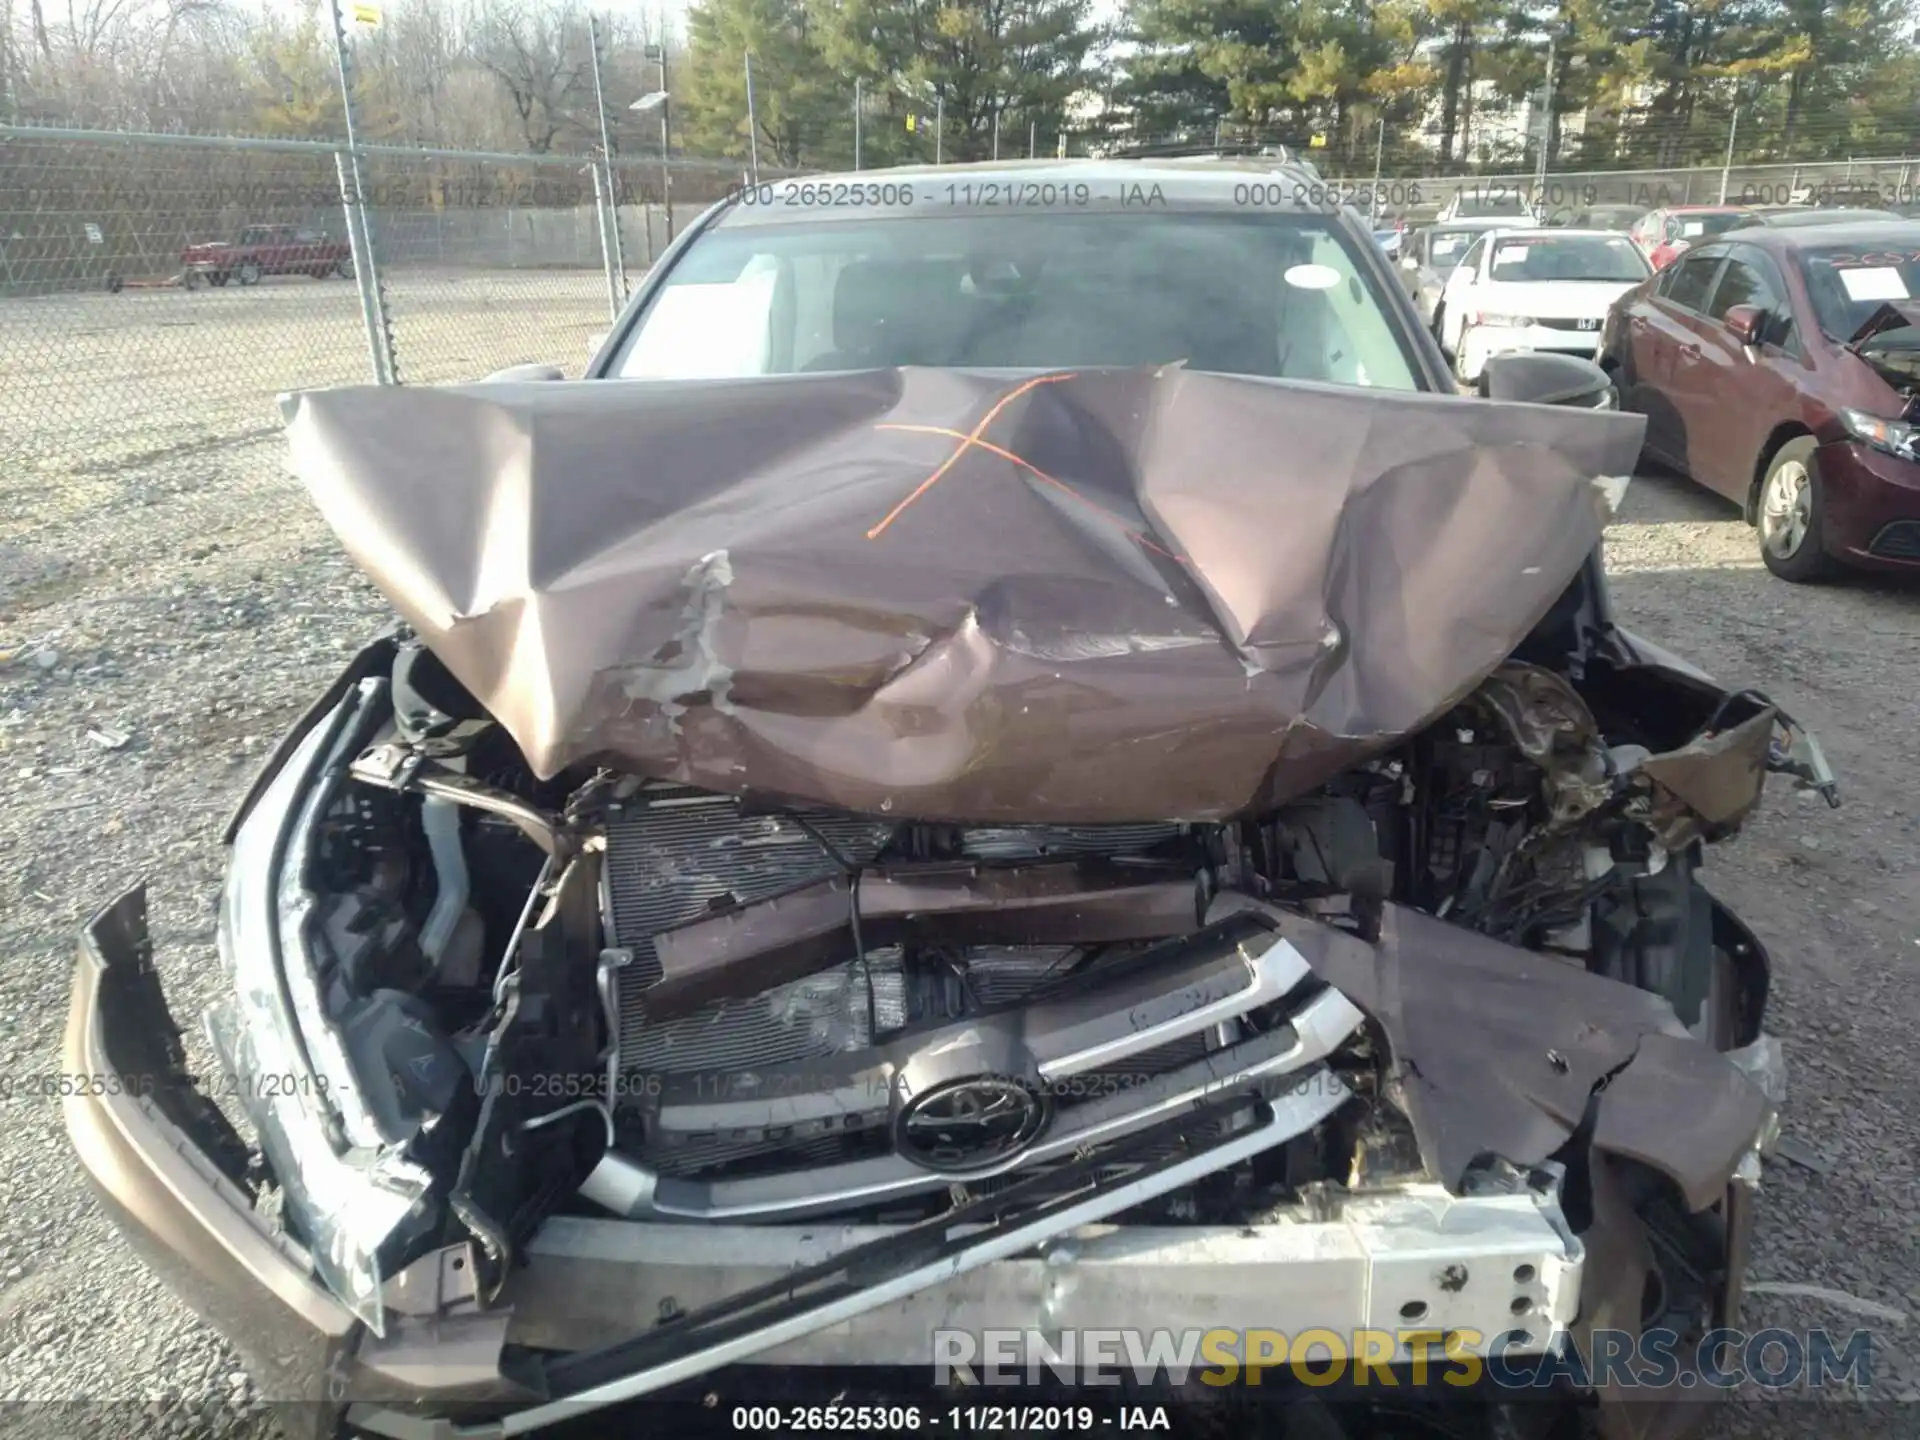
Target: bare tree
540, 55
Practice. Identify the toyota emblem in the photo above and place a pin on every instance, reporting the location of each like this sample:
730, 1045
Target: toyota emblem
970, 1124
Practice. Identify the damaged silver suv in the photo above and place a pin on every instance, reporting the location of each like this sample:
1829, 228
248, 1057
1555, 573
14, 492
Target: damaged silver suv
1013, 757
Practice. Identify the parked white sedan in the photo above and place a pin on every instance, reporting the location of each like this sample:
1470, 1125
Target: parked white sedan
1534, 290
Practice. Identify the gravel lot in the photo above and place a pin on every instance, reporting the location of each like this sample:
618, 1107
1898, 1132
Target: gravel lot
193, 604
95, 382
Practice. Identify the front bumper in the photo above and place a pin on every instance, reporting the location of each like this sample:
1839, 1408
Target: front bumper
1400, 1264
1871, 507
148, 1141
1481, 343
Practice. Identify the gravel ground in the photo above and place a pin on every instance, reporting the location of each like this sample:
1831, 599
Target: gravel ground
195, 604
95, 382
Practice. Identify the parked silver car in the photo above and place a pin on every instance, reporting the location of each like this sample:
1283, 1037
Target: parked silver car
1427, 258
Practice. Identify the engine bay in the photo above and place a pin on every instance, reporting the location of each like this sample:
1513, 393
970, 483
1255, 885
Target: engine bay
617, 995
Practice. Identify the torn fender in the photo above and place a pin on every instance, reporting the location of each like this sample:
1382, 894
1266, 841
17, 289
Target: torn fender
1498, 1050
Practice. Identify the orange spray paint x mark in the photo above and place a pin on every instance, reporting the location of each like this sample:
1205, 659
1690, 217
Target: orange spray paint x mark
973, 441
967, 442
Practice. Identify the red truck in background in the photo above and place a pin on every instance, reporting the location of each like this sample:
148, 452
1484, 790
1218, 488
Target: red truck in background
266, 250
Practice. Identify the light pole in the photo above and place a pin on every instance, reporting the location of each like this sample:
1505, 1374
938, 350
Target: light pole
1546, 129
753, 133
1733, 131
645, 105
661, 99
1379, 154
856, 122
610, 216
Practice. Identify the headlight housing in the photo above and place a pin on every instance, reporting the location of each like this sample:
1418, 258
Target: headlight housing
348, 1194
1896, 437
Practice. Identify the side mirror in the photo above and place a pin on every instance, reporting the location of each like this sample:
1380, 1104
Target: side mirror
516, 373
1543, 378
1746, 322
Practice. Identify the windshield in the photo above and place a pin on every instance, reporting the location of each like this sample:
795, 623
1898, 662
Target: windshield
1270, 295
1847, 283
1569, 257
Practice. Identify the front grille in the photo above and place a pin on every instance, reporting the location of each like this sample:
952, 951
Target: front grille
674, 853
1898, 541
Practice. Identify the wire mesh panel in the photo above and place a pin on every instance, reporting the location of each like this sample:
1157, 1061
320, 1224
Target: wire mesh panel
487, 263
155, 297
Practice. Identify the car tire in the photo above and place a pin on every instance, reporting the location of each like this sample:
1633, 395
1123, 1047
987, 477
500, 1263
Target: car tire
192, 280
1791, 514
217, 278
343, 267
248, 274
1440, 328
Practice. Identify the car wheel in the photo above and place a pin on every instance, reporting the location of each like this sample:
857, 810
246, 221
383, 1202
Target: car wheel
248, 274
192, 280
343, 267
1791, 541
217, 278
1440, 329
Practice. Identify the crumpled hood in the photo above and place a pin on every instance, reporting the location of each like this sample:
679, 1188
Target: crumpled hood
955, 595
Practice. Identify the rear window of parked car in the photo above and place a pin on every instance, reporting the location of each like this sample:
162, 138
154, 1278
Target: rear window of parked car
1698, 227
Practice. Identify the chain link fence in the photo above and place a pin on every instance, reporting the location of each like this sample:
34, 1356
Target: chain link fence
157, 292
1713, 157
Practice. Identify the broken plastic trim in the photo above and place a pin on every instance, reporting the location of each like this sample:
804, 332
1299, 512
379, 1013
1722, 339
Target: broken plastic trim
748, 949
1014, 1220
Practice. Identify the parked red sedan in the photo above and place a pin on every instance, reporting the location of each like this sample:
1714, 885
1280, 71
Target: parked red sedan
1782, 369
1666, 233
